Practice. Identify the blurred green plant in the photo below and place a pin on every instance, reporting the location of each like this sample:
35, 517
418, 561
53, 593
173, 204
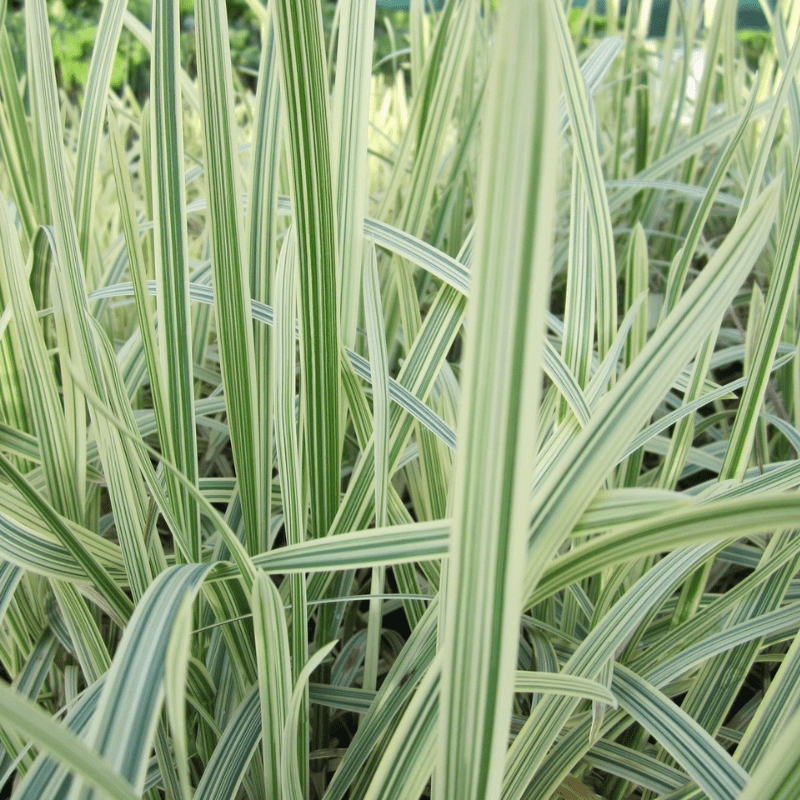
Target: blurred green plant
73, 28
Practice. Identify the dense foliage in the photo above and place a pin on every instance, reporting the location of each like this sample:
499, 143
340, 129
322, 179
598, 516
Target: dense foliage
405, 409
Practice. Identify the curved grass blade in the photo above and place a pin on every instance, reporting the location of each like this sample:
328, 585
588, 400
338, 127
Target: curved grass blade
781, 289
73, 321
31, 722
639, 768
726, 519
118, 600
570, 485
24, 543
44, 403
774, 712
696, 751
410, 755
528, 770
778, 775
17, 147
588, 158
402, 395
28, 683
390, 701
124, 723
571, 685
417, 541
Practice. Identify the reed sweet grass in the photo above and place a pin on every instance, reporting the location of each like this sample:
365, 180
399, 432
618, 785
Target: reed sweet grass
430, 435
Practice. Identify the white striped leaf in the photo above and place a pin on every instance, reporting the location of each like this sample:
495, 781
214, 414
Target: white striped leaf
349, 151
696, 751
588, 159
373, 313
582, 466
43, 401
172, 270
292, 484
80, 360
124, 723
291, 770
778, 775
500, 387
230, 268
30, 721
92, 116
298, 30
274, 674
235, 747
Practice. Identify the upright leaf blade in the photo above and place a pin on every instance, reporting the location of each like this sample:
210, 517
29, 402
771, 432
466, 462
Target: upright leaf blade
349, 151
231, 277
304, 81
502, 375
91, 125
172, 271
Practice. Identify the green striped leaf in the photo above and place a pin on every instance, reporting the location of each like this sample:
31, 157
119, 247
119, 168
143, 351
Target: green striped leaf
124, 723
172, 270
230, 268
31, 722
697, 752
298, 29
496, 454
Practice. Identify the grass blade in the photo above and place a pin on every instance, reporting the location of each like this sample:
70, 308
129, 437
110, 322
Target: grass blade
298, 28
172, 273
498, 441
31, 722
230, 268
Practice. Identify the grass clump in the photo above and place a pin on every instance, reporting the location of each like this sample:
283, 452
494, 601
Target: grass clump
420, 426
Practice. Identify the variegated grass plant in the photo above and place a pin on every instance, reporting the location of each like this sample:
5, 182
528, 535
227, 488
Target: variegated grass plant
433, 438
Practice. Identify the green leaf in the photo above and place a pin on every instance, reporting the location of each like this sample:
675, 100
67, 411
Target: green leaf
124, 723
230, 268
298, 29
31, 722
696, 751
502, 376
